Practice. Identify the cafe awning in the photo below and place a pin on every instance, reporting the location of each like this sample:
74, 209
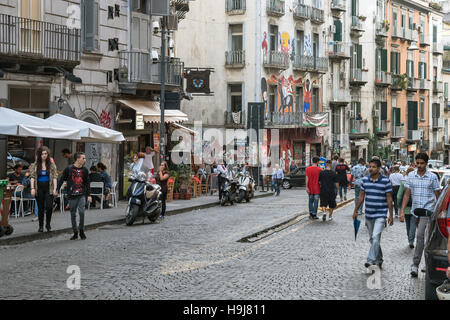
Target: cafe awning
16, 123
179, 126
89, 132
152, 112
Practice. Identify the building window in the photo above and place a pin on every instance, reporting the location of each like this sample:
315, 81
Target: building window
300, 42
299, 99
336, 120
272, 98
236, 33
235, 97
89, 22
273, 35
395, 62
27, 99
315, 100
422, 109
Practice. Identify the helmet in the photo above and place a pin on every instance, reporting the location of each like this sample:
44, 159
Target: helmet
443, 291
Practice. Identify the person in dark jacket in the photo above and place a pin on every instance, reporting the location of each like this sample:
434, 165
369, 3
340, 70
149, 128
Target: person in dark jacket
95, 176
341, 171
77, 178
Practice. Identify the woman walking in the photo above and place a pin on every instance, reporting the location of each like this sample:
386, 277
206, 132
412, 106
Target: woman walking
409, 218
43, 176
161, 178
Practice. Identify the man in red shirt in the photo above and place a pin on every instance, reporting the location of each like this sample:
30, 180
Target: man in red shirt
313, 187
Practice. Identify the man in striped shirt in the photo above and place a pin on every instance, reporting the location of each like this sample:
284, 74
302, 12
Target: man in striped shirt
376, 191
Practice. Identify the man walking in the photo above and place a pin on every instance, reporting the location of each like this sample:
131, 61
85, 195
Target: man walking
328, 181
357, 176
341, 171
313, 187
376, 190
222, 174
424, 188
77, 178
279, 176
396, 180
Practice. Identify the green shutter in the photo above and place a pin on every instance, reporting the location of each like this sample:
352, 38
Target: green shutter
355, 8
434, 33
384, 61
383, 110
446, 90
392, 62
359, 56
352, 50
412, 115
338, 34
397, 114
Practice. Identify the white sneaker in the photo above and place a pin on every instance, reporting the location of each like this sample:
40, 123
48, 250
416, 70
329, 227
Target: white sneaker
414, 271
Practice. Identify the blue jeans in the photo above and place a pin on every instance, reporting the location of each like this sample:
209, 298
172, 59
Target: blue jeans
340, 190
357, 191
375, 228
313, 204
410, 221
277, 184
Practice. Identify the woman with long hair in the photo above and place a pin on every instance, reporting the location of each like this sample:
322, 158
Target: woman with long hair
43, 178
162, 178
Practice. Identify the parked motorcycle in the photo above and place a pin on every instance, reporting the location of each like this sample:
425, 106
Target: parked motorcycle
229, 191
143, 198
246, 187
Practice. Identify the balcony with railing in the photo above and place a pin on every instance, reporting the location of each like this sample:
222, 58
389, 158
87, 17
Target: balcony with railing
383, 79
412, 85
339, 51
407, 34
358, 77
438, 48
382, 30
317, 15
424, 39
235, 119
302, 11
283, 119
38, 43
398, 83
276, 60
438, 87
397, 32
382, 127
137, 70
235, 6
358, 128
357, 25
414, 135
339, 97
275, 8
310, 63
235, 59
447, 140
424, 84
438, 123
398, 132
338, 6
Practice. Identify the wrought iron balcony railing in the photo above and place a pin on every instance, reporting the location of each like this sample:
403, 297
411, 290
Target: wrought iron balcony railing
358, 127
34, 40
424, 39
275, 8
438, 87
317, 15
235, 119
277, 60
438, 123
235, 58
383, 79
236, 6
339, 50
310, 63
302, 11
398, 132
139, 67
414, 135
381, 30
357, 24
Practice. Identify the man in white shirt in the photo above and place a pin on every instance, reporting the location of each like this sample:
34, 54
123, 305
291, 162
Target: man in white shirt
148, 161
222, 173
396, 180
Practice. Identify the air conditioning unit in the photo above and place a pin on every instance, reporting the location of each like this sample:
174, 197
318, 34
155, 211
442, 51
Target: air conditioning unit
332, 28
351, 113
172, 22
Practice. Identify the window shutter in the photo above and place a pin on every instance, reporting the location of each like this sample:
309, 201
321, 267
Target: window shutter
397, 116
399, 59
383, 110
359, 56
135, 5
393, 62
446, 90
352, 56
89, 30
434, 33
96, 26
384, 63
377, 59
412, 115
338, 34
425, 71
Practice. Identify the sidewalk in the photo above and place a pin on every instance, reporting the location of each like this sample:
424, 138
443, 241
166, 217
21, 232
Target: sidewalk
26, 230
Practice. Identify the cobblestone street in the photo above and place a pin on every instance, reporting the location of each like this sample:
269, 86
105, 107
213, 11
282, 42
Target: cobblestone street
196, 255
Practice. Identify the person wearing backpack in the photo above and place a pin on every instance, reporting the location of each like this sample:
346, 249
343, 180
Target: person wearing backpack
410, 220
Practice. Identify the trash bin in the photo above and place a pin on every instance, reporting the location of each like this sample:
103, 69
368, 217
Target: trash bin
5, 198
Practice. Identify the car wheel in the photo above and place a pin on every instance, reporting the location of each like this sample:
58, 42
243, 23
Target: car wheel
430, 289
286, 184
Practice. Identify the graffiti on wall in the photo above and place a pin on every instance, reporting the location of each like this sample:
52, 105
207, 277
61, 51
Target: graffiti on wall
105, 119
285, 97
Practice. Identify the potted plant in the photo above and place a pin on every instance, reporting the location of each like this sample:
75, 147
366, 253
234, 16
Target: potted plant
362, 18
184, 179
385, 24
176, 185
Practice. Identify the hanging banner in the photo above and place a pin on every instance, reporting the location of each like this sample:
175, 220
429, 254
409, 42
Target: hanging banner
156, 142
311, 120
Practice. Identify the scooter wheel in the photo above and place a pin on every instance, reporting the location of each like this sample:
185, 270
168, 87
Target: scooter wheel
9, 230
2, 231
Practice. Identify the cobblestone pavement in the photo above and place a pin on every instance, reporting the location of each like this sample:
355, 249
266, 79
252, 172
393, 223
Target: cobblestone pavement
196, 256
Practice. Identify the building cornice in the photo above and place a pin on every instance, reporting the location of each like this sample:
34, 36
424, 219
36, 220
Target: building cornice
418, 7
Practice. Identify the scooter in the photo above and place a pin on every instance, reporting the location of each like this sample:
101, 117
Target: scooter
143, 198
229, 191
246, 187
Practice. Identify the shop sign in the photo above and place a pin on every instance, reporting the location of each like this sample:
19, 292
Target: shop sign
132, 139
156, 142
412, 148
140, 122
403, 152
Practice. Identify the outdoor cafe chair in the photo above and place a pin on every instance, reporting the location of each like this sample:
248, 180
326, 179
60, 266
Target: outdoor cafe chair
97, 185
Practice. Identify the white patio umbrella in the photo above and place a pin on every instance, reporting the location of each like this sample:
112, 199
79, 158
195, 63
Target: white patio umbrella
16, 123
89, 132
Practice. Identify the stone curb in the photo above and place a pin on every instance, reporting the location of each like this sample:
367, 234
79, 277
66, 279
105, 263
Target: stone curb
5, 240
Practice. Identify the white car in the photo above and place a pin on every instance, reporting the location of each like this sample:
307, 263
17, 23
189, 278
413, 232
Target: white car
445, 178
